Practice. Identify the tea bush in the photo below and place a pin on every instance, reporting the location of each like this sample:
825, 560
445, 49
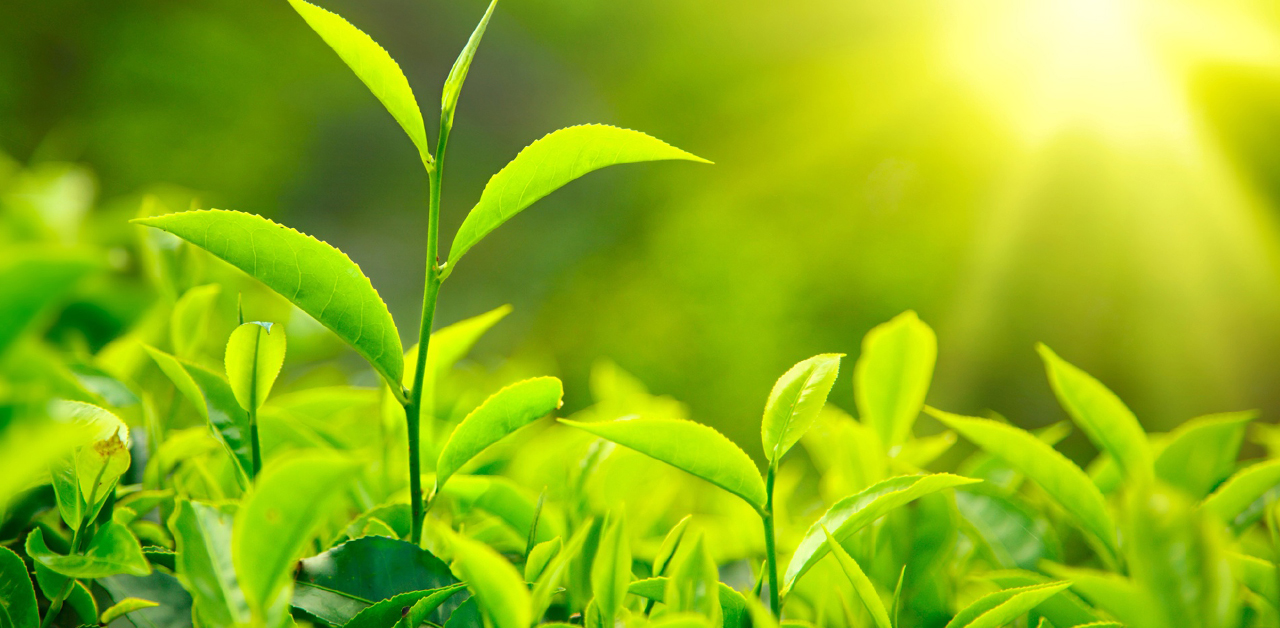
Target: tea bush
159, 471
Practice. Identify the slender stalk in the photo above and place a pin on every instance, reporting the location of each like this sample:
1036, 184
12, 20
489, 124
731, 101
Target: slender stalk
254, 448
431, 292
770, 545
78, 545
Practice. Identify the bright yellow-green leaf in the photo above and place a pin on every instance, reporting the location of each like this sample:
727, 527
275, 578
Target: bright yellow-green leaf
1101, 414
1258, 575
860, 509
611, 569
1002, 607
113, 551
549, 163
1112, 593
1202, 452
1242, 489
275, 525
189, 320
669, 545
689, 446
204, 563
255, 353
500, 496
503, 596
101, 461
861, 584
501, 414
448, 345
549, 580
458, 73
539, 557
124, 607
1060, 478
694, 583
892, 375
795, 402
319, 279
379, 72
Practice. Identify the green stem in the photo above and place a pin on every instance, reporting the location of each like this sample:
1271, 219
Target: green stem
431, 292
254, 448
78, 539
770, 545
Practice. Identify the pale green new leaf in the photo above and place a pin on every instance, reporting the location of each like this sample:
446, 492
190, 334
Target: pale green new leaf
1242, 489
795, 402
1202, 452
539, 557
255, 353
319, 279
861, 584
549, 163
458, 73
449, 345
17, 594
549, 580
1258, 575
611, 569
500, 496
1002, 607
275, 525
1060, 478
1113, 593
379, 72
502, 592
204, 564
694, 584
892, 375
1101, 414
113, 551
689, 446
669, 545
501, 414
856, 511
189, 320
100, 462
124, 607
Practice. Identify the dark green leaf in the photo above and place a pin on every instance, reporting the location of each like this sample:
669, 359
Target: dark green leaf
349, 577
17, 593
215, 401
175, 603
386, 613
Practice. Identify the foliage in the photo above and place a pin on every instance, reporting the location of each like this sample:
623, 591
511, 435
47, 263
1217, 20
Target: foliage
154, 477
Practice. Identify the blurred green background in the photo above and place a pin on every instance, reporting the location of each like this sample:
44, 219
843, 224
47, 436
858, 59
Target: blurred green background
1101, 176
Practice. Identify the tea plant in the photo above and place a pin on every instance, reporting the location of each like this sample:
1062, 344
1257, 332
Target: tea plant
202, 467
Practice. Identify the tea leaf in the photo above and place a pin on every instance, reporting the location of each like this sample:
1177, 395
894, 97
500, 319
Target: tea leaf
17, 594
1100, 413
689, 446
254, 356
204, 563
539, 557
1258, 575
1060, 478
124, 607
319, 279
549, 163
501, 414
31, 281
611, 569
448, 345
795, 401
214, 401
387, 612
1242, 489
100, 462
1063, 609
189, 320
493, 580
861, 584
669, 545
278, 519
549, 580
998, 609
458, 73
860, 509
1202, 452
112, 551
694, 584
733, 605
892, 375
1113, 593
1016, 535
338, 584
379, 72
502, 497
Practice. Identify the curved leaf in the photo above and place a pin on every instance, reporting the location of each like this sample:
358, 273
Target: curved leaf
254, 356
1063, 609
340, 584
795, 401
892, 375
17, 593
549, 163
502, 413
539, 557
694, 584
1002, 607
611, 569
861, 584
1060, 478
1100, 413
112, 551
733, 606
669, 545
689, 446
854, 512
549, 580
448, 345
215, 401
124, 607
379, 72
1016, 535
1242, 489
458, 73
387, 612
1202, 452
204, 565
502, 592
1258, 575
319, 279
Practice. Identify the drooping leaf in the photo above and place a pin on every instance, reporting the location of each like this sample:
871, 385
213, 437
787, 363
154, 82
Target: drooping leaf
502, 497
669, 545
795, 401
275, 524
379, 72
189, 320
31, 281
1060, 478
339, 584
861, 584
501, 414
1002, 607
694, 584
1201, 453
611, 569
204, 564
255, 353
688, 446
549, 163
502, 593
1100, 414
733, 605
124, 607
458, 73
856, 511
17, 593
113, 550
892, 375
319, 279
1242, 489
385, 613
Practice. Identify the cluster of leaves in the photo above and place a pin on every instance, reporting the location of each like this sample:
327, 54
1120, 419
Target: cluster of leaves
151, 477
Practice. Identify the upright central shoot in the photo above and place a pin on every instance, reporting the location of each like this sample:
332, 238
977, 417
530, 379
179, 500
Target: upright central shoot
326, 284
